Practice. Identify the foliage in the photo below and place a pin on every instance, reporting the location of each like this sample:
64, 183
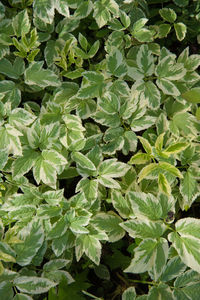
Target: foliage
99, 149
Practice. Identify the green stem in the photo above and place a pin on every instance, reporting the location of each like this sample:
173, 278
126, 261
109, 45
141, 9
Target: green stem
144, 282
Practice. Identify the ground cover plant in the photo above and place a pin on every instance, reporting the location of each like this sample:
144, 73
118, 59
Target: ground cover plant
99, 149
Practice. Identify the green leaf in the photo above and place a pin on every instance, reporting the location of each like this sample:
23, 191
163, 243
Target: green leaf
181, 3
142, 123
163, 30
20, 117
145, 205
12, 71
45, 171
167, 87
143, 228
116, 64
145, 60
129, 294
22, 165
175, 148
192, 96
122, 206
6, 290
103, 10
186, 241
150, 255
22, 297
89, 187
3, 158
89, 245
33, 285
169, 168
139, 158
21, 23
174, 268
146, 171
189, 189
152, 94
162, 291
113, 168
163, 184
9, 136
36, 75
83, 41
110, 223
180, 30
139, 24
147, 147
33, 237
44, 10
83, 161
168, 14
62, 8
54, 157
92, 86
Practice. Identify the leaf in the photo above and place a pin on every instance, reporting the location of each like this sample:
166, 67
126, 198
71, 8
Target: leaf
143, 228
168, 14
92, 86
176, 148
145, 60
36, 75
89, 187
33, 237
9, 136
110, 223
33, 285
149, 255
192, 96
113, 168
20, 117
122, 206
186, 241
139, 158
189, 189
54, 157
3, 158
44, 10
147, 171
116, 64
180, 30
142, 123
129, 294
58, 229
12, 71
162, 291
22, 165
22, 297
62, 8
6, 290
60, 244
152, 94
163, 184
167, 87
147, 147
21, 23
107, 181
89, 245
145, 205
169, 168
83, 161
174, 268
45, 171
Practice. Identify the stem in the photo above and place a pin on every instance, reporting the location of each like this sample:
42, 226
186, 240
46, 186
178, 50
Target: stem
144, 281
